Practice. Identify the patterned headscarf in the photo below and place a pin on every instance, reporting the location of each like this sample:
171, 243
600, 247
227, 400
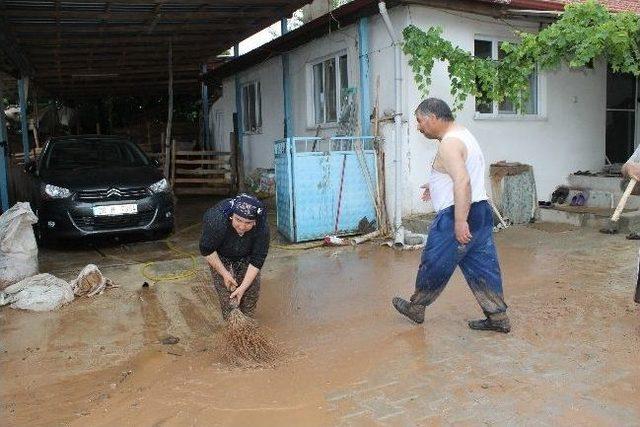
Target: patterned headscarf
247, 207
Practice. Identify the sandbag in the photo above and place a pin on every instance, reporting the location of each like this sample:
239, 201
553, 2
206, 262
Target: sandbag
42, 292
18, 247
90, 282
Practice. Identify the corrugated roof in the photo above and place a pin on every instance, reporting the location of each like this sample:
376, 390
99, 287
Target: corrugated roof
93, 48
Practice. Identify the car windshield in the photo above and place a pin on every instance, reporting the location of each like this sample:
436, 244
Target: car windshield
90, 153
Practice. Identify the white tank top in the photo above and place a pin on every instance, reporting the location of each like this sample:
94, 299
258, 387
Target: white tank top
441, 185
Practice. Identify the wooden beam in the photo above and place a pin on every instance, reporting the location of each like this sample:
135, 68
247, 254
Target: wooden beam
114, 15
168, 154
108, 29
214, 38
210, 3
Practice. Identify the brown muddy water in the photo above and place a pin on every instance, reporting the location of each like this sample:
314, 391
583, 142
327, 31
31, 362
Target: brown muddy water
571, 358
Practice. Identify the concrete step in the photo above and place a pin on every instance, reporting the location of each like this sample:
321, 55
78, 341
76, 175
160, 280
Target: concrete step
418, 223
604, 191
597, 218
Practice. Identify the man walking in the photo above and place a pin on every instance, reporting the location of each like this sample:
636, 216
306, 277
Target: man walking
461, 234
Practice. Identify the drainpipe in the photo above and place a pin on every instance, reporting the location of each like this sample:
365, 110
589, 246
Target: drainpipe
286, 87
397, 119
239, 124
365, 103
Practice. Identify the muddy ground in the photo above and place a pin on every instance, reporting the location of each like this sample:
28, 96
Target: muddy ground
571, 359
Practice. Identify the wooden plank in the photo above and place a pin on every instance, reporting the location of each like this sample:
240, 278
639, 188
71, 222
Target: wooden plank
201, 162
203, 153
202, 172
200, 181
119, 29
203, 191
215, 15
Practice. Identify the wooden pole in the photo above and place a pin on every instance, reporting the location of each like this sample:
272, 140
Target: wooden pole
234, 163
36, 123
167, 136
384, 226
173, 162
24, 120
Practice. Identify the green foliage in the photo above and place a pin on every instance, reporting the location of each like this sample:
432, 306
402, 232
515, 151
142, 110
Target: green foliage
585, 32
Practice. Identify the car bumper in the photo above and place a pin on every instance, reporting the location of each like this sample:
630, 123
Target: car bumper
67, 219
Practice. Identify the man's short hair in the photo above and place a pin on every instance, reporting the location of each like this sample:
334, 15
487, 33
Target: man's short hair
437, 107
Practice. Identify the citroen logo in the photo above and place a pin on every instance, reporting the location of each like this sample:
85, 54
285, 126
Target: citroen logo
114, 192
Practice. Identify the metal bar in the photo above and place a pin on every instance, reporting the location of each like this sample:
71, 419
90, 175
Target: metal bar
286, 87
290, 153
365, 98
23, 117
239, 134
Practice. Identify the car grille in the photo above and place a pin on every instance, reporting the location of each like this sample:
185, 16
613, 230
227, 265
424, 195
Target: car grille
113, 194
101, 223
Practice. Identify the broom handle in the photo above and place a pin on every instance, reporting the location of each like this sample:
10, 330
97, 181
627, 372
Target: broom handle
623, 200
497, 212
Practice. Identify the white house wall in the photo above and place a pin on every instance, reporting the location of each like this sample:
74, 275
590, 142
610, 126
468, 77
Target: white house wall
257, 147
568, 136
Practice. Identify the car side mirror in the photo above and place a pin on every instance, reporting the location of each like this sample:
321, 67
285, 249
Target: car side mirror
30, 167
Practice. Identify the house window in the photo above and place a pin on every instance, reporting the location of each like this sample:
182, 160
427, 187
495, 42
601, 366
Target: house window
251, 107
490, 48
329, 81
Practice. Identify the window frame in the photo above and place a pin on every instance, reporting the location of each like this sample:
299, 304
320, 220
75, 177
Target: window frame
247, 127
496, 112
311, 89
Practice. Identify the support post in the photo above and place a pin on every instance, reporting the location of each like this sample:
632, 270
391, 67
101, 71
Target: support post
4, 143
239, 126
24, 120
286, 87
167, 135
205, 112
365, 98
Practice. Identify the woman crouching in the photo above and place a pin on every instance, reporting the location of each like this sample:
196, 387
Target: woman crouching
235, 242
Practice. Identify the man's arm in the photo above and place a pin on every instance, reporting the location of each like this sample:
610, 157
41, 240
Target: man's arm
453, 152
631, 169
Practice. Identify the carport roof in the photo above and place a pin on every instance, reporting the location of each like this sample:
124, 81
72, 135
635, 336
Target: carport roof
89, 48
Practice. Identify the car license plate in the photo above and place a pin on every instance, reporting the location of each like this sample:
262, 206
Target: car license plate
112, 210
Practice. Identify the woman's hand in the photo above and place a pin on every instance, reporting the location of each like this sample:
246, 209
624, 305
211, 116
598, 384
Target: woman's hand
229, 282
237, 295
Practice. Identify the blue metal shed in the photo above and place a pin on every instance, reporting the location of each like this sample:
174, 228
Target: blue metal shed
325, 186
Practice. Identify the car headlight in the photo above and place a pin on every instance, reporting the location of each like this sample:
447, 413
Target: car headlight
56, 192
161, 186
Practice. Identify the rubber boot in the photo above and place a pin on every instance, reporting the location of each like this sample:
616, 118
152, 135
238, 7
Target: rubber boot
494, 322
412, 310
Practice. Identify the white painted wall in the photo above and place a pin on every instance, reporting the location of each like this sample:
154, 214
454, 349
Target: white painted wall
568, 136
257, 147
